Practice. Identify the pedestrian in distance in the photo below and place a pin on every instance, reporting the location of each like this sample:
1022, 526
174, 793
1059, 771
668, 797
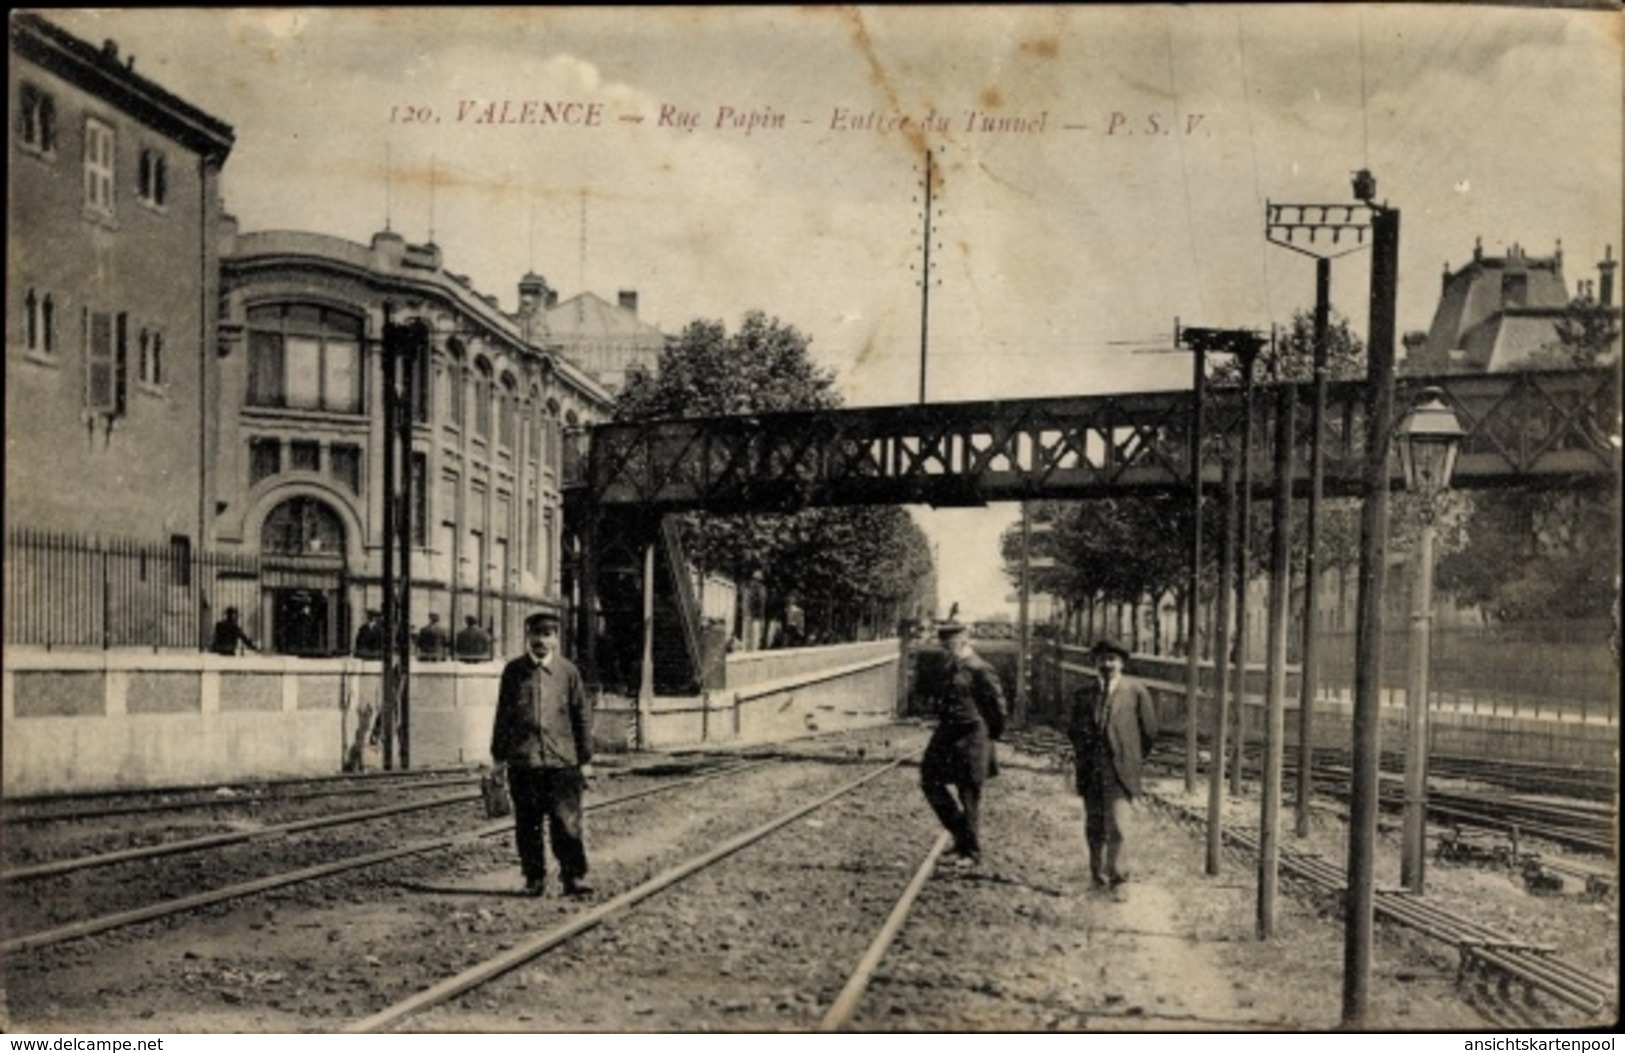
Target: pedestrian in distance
433, 640
963, 691
369, 639
543, 736
1112, 726
473, 643
229, 637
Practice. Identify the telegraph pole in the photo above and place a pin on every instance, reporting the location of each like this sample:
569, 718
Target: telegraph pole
1329, 231
1248, 352
1360, 898
1269, 845
405, 345
925, 271
1244, 344
1193, 586
1023, 657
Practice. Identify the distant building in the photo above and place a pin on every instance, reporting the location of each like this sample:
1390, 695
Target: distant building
607, 340
302, 440
111, 294
1497, 311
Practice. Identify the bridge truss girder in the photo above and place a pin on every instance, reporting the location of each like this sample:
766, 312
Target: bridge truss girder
1554, 428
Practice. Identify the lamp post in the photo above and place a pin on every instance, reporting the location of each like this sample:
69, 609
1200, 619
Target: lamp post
1429, 438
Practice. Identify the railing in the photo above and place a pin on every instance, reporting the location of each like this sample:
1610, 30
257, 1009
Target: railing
63, 590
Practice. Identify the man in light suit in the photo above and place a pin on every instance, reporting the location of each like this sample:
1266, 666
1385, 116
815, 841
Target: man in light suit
1113, 725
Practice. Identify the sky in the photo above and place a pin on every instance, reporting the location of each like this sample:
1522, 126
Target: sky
1099, 171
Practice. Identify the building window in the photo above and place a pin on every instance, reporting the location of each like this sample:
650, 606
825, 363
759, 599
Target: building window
106, 355
264, 459
1514, 290
534, 422
180, 560
31, 321
421, 393
304, 456
303, 526
304, 357
152, 178
482, 399
151, 347
346, 463
533, 532
508, 407
454, 384
99, 155
420, 500
37, 119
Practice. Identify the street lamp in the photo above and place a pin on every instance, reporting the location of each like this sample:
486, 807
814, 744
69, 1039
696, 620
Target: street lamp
1429, 438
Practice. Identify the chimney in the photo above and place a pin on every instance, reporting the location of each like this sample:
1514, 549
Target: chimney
534, 293
629, 300
1606, 269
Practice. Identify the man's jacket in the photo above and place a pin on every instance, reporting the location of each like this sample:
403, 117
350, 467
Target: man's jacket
544, 718
967, 691
1121, 735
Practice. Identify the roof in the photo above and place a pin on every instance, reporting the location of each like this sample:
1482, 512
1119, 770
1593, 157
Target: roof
99, 71
588, 317
1498, 309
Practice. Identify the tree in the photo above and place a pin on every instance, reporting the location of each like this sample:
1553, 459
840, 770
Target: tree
1529, 555
837, 561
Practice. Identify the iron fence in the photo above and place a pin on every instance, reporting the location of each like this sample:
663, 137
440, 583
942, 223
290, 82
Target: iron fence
1562, 669
76, 591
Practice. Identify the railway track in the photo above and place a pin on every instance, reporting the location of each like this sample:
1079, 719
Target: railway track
284, 879
1513, 981
803, 897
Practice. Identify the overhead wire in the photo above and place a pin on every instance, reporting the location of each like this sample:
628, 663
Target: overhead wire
1184, 166
1252, 145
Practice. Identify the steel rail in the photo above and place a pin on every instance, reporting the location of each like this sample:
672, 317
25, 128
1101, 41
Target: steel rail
253, 789
846, 1003
198, 844
207, 841
1531, 964
92, 926
477, 975
251, 800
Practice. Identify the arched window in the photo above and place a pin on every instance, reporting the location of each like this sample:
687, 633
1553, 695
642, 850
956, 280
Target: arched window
31, 320
48, 323
509, 407
482, 399
303, 526
535, 409
456, 360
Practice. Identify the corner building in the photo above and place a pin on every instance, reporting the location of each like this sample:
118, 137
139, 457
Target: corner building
111, 286
301, 445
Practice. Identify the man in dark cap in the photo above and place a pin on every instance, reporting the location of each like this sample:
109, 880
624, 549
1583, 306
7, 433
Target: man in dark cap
433, 641
543, 734
473, 643
1112, 725
369, 639
969, 705
229, 635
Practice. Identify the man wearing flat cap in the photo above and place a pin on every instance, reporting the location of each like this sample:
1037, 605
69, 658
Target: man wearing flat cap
543, 734
1112, 725
969, 706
